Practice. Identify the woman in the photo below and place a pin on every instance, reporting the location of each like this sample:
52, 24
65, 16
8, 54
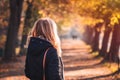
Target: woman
44, 36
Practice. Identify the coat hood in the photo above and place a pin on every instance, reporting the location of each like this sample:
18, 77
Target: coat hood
37, 46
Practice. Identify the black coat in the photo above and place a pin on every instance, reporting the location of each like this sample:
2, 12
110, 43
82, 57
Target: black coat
34, 61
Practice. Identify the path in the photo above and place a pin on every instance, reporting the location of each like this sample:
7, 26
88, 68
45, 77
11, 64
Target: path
78, 62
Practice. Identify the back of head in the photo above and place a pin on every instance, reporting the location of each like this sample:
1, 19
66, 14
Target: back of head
47, 28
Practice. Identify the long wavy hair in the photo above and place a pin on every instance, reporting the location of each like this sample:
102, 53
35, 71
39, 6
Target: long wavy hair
47, 28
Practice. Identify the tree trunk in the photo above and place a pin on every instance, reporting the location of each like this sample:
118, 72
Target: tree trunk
27, 25
88, 35
14, 22
115, 43
105, 41
95, 42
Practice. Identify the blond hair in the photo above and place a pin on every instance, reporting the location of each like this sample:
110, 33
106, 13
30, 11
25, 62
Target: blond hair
47, 28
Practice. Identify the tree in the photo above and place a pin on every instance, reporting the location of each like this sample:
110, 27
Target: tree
115, 43
96, 37
14, 22
4, 14
103, 51
27, 24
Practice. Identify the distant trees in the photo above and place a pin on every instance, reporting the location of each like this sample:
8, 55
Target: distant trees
107, 11
31, 15
27, 23
4, 14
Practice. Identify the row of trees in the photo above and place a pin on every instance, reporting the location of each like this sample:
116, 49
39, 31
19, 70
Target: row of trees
109, 12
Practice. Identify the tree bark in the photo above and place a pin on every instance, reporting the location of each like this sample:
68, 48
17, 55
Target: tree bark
115, 43
27, 25
95, 42
105, 41
14, 22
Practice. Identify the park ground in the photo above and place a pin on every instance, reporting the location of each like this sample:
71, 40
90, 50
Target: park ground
79, 64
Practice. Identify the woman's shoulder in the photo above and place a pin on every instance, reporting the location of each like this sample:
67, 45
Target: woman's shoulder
51, 49
52, 52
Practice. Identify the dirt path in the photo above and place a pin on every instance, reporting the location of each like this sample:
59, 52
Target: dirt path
78, 62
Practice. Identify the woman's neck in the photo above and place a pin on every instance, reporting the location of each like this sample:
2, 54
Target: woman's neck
41, 37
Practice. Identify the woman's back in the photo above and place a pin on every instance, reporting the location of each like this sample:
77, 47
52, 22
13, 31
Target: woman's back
34, 61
